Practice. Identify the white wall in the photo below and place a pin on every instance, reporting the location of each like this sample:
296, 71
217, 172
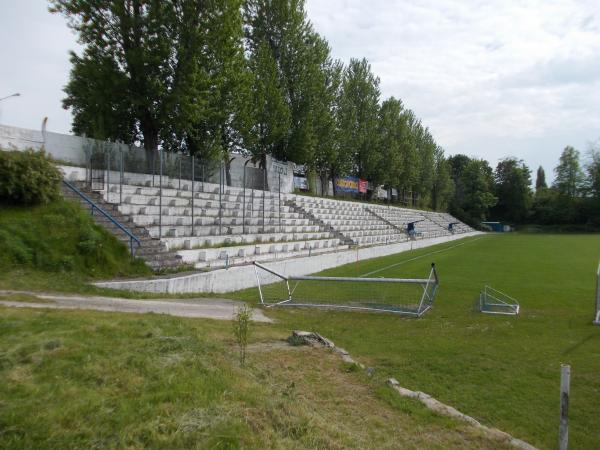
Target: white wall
73, 149
242, 277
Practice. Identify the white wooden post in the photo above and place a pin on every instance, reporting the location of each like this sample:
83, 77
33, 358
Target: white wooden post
563, 433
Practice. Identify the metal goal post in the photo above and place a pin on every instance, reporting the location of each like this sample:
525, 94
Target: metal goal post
597, 318
404, 296
492, 301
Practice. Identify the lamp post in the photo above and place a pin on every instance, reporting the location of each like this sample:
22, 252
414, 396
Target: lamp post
11, 95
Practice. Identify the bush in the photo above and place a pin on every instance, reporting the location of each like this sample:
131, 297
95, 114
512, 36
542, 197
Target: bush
28, 178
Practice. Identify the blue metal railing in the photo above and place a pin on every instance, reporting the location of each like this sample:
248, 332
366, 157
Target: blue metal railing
94, 206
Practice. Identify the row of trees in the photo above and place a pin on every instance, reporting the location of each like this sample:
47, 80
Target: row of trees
253, 76
506, 193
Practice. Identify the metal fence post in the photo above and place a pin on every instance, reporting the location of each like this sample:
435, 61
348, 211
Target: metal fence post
121, 173
179, 172
244, 200
279, 203
160, 162
563, 432
193, 180
153, 165
263, 199
108, 175
220, 194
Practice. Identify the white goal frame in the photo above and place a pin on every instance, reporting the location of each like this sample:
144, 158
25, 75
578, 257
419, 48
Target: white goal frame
425, 303
493, 301
597, 318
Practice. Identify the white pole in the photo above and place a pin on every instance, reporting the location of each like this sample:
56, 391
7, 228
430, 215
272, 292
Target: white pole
597, 318
563, 432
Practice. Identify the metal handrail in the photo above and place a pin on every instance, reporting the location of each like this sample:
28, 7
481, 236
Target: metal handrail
93, 205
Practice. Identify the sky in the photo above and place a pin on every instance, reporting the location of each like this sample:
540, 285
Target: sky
490, 79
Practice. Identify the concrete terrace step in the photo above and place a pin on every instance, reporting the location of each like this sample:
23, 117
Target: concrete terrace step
266, 257
166, 220
211, 254
174, 243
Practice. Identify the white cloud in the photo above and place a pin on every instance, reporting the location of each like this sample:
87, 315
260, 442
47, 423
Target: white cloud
490, 78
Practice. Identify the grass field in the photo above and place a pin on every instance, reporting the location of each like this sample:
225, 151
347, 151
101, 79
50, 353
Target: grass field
85, 379
502, 370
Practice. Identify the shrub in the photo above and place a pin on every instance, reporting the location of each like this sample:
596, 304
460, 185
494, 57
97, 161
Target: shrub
28, 177
241, 329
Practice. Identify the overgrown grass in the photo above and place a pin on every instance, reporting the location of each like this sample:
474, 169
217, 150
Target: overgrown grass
502, 370
58, 247
97, 380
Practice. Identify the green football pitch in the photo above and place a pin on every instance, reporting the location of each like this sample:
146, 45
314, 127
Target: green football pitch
502, 370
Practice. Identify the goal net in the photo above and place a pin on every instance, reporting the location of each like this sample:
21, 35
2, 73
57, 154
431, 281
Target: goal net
409, 296
597, 318
492, 301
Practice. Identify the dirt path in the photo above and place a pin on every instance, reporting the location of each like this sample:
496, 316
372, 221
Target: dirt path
207, 308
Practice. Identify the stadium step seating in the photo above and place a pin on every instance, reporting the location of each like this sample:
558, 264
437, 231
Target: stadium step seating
210, 230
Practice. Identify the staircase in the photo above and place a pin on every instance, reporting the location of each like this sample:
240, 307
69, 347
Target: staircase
151, 250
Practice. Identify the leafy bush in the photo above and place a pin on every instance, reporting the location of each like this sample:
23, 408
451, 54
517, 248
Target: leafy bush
28, 178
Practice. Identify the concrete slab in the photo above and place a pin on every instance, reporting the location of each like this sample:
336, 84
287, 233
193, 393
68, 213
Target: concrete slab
220, 309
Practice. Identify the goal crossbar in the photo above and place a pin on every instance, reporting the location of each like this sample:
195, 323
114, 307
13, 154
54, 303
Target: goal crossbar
367, 294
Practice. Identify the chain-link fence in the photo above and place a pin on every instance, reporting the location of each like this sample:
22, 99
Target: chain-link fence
203, 188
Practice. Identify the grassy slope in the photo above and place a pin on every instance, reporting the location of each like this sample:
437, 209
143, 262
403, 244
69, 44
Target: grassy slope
58, 247
502, 370
97, 380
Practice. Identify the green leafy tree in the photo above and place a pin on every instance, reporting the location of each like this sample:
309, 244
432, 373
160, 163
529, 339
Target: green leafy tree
163, 73
474, 189
513, 181
569, 176
592, 170
288, 58
540, 180
223, 124
359, 112
330, 157
272, 115
443, 187
392, 132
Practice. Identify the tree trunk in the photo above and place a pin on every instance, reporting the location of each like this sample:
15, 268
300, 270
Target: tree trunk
324, 184
150, 134
333, 182
263, 166
228, 162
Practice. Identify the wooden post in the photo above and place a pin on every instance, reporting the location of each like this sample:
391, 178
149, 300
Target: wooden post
563, 433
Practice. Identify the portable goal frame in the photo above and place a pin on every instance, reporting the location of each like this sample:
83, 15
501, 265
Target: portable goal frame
493, 301
405, 296
597, 318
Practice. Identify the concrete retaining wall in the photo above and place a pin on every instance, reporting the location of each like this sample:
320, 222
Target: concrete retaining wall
236, 278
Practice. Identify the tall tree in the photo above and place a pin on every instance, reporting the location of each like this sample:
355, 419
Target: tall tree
330, 158
281, 39
443, 187
392, 128
540, 179
569, 175
271, 113
409, 177
592, 169
164, 69
513, 181
474, 189
359, 110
